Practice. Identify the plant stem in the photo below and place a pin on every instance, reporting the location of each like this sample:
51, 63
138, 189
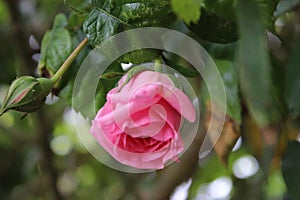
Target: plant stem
157, 65
58, 75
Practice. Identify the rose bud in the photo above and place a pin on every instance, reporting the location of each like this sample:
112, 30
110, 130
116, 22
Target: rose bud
140, 122
26, 94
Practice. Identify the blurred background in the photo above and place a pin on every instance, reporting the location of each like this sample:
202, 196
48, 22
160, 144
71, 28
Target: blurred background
41, 156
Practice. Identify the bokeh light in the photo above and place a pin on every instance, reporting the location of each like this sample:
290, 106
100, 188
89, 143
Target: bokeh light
245, 167
61, 145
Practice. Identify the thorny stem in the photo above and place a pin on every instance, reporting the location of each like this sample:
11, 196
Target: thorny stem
58, 75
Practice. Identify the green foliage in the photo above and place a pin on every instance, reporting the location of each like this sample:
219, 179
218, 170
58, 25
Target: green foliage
292, 82
186, 71
80, 7
229, 77
266, 10
56, 46
217, 22
188, 11
107, 81
100, 25
291, 169
215, 29
234, 32
222, 8
108, 19
254, 68
65, 88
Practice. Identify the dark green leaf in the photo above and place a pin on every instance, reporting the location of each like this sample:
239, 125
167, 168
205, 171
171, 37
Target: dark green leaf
222, 8
285, 6
291, 169
100, 25
188, 10
229, 77
186, 71
111, 17
254, 68
108, 19
221, 51
213, 28
140, 56
292, 82
217, 22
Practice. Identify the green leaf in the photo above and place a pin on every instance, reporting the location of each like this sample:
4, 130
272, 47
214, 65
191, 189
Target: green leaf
110, 18
292, 82
188, 10
267, 9
221, 51
100, 25
254, 67
222, 8
107, 82
291, 169
217, 22
285, 6
56, 47
80, 7
60, 21
184, 70
229, 77
104, 85
213, 28
65, 88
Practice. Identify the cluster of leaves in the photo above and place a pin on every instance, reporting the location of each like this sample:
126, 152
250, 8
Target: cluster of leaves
259, 86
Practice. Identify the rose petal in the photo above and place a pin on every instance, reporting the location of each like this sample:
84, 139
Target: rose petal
152, 160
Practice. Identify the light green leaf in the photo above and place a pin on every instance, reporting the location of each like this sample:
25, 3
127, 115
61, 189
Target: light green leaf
56, 46
188, 10
60, 21
254, 67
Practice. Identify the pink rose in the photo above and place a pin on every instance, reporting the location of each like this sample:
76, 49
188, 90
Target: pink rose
139, 124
